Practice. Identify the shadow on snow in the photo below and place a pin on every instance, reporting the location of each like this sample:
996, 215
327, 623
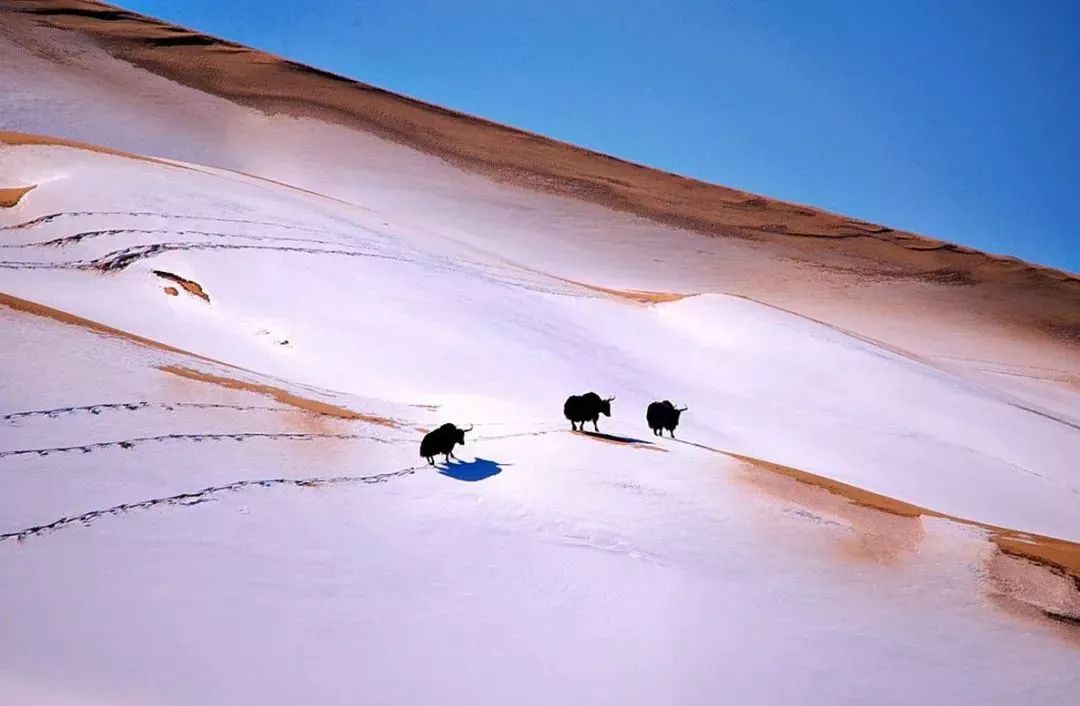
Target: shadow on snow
471, 471
615, 439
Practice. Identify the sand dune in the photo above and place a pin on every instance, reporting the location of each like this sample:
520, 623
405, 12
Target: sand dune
1019, 298
877, 459
276, 85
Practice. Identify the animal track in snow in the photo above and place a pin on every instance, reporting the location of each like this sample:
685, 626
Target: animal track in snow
197, 438
121, 259
201, 496
135, 406
80, 236
153, 214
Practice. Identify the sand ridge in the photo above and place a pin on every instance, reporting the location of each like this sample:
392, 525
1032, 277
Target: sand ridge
277, 85
34, 308
281, 395
14, 139
815, 255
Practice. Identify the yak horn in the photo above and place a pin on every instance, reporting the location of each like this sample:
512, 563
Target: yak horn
470, 428
684, 408
610, 399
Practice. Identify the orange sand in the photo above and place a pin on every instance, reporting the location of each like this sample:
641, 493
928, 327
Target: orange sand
283, 396
189, 286
12, 195
1048, 550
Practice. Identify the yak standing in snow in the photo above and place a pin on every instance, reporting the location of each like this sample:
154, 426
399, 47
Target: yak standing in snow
586, 408
663, 415
442, 441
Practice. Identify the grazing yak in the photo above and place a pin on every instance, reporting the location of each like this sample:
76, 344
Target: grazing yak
586, 408
663, 415
442, 441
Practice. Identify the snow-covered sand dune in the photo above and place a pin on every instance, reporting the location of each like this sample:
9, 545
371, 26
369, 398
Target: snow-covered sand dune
226, 324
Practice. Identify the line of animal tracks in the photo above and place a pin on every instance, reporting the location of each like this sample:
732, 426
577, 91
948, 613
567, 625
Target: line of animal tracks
200, 496
196, 438
196, 497
1043, 550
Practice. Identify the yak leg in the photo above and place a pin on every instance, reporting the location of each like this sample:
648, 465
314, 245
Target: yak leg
431, 460
453, 456
595, 428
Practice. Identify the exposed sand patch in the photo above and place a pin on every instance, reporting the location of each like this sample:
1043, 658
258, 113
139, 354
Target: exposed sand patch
1047, 550
190, 286
634, 295
1028, 574
883, 537
282, 396
1059, 553
10, 196
172, 291
1054, 593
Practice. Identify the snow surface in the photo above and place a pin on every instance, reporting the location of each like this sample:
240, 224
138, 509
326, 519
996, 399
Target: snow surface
545, 567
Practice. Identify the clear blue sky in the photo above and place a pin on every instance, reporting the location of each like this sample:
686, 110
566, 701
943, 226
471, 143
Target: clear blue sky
957, 119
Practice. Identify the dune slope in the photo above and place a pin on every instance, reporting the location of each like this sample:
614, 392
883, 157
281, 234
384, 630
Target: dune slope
229, 316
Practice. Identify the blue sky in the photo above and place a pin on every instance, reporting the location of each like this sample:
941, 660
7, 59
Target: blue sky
955, 119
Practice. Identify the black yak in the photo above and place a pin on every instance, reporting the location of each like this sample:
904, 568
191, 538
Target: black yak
442, 441
663, 415
586, 408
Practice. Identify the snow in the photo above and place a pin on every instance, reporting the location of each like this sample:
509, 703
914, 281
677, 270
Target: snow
547, 567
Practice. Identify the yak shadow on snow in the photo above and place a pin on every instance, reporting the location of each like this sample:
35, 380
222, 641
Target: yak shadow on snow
622, 440
616, 439
471, 471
